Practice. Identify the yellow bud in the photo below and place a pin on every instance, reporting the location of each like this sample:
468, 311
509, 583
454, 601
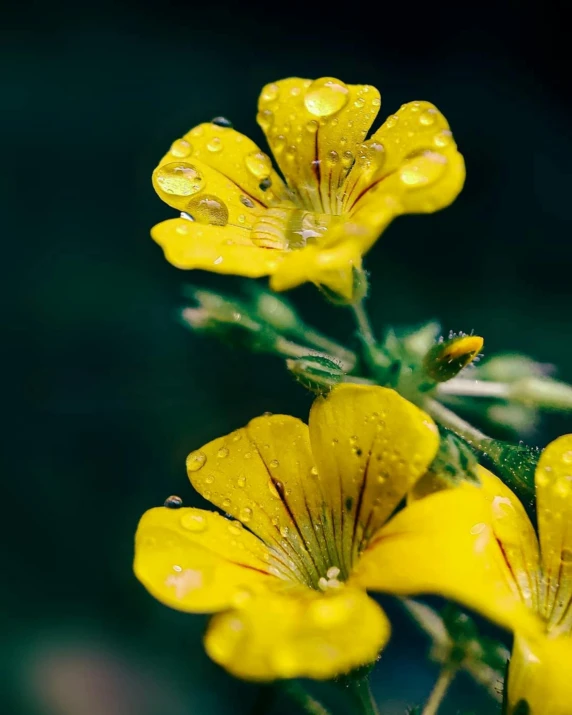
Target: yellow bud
447, 358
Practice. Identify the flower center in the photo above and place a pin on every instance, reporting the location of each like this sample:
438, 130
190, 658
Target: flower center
289, 229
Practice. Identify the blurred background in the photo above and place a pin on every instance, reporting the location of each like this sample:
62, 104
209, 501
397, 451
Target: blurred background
106, 393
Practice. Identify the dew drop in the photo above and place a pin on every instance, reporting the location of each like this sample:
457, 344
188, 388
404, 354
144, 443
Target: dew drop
173, 502
274, 463
181, 148
326, 96
272, 489
314, 472
284, 531
196, 461
194, 522
187, 217
427, 118
235, 528
214, 144
209, 479
423, 170
179, 179
245, 514
265, 184
222, 452
333, 157
391, 121
359, 103
265, 118
275, 521
312, 126
443, 139
207, 208
241, 481
478, 528
376, 102
222, 122
567, 457
258, 164
226, 504
269, 92
347, 159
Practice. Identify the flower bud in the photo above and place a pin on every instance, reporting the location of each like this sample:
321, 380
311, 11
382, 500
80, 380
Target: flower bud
276, 312
447, 358
316, 372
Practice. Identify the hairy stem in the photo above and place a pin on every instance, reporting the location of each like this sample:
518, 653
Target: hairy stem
439, 691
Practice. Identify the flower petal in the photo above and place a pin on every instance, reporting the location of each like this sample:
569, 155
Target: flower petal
332, 266
422, 166
515, 535
554, 509
314, 129
370, 445
263, 474
234, 157
539, 673
198, 561
444, 545
221, 249
297, 635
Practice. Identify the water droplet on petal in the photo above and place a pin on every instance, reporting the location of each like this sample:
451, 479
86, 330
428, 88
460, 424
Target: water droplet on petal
326, 96
359, 103
222, 122
270, 92
347, 158
423, 170
376, 102
235, 528
312, 126
333, 157
226, 504
173, 502
194, 522
245, 201
214, 144
241, 481
265, 118
391, 121
272, 489
181, 148
478, 528
427, 118
179, 179
196, 461
222, 452
209, 479
245, 514
284, 531
443, 139
567, 457
259, 164
265, 184
274, 463
208, 209
314, 472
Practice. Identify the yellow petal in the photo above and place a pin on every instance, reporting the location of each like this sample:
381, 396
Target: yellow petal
332, 266
516, 536
198, 561
296, 635
263, 475
221, 249
315, 129
370, 445
422, 166
444, 545
232, 164
539, 673
554, 509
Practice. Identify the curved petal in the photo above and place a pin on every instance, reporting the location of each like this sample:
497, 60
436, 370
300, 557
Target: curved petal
333, 266
420, 165
263, 474
314, 129
539, 673
370, 445
235, 158
515, 535
221, 249
554, 509
296, 635
198, 561
443, 545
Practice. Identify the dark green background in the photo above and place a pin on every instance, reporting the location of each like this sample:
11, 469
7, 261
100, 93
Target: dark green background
105, 393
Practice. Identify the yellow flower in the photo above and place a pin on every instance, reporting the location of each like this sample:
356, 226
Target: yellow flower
541, 573
341, 190
309, 527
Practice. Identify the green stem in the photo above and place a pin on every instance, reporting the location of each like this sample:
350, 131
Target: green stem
361, 692
308, 704
439, 691
449, 419
474, 388
363, 323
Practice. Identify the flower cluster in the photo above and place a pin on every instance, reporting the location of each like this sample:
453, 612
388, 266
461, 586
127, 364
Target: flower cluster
382, 490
